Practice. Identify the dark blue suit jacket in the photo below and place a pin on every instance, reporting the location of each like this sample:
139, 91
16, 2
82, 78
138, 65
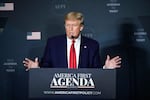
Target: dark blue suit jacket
55, 55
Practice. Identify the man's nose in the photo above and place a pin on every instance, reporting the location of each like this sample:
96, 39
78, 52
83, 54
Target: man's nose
71, 28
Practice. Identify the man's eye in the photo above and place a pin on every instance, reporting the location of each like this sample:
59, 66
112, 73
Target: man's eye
74, 25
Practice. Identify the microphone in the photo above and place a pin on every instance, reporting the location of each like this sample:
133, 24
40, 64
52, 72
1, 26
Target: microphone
72, 37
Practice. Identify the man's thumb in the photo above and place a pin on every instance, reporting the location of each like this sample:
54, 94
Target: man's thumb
36, 59
108, 57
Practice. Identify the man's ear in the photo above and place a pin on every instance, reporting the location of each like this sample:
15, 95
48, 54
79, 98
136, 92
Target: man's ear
81, 28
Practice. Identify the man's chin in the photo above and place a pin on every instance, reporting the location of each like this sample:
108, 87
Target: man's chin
73, 37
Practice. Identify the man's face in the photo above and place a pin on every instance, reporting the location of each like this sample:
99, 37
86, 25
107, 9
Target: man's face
73, 28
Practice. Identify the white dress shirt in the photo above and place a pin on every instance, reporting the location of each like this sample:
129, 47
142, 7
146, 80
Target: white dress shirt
77, 49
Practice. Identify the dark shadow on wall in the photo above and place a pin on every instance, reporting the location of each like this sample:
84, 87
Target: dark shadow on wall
131, 73
55, 26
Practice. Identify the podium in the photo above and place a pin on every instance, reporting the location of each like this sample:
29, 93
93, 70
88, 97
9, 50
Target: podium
57, 83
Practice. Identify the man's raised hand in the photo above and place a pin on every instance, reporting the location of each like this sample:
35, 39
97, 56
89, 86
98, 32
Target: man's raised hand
112, 63
30, 63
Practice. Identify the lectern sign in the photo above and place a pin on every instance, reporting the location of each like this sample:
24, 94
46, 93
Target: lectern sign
72, 83
72, 80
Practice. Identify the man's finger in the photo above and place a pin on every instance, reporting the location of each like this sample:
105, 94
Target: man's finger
27, 69
36, 59
118, 62
108, 57
25, 62
26, 65
119, 59
118, 66
116, 58
28, 60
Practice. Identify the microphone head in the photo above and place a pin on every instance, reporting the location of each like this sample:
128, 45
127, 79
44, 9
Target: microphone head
72, 37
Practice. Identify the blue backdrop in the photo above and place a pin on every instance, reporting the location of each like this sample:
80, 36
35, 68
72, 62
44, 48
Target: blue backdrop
120, 26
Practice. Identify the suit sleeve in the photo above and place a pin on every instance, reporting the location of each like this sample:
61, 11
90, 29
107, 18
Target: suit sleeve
96, 57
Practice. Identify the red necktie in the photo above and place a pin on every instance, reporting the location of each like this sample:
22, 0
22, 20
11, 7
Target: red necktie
73, 64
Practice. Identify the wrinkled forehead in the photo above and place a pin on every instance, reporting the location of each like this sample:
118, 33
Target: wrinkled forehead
72, 21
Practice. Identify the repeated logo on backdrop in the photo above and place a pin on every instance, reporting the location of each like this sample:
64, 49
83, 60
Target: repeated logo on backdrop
113, 6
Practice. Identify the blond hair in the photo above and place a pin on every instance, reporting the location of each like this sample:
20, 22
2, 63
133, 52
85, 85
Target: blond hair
75, 16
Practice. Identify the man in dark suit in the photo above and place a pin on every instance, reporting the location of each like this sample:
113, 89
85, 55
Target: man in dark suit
57, 51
